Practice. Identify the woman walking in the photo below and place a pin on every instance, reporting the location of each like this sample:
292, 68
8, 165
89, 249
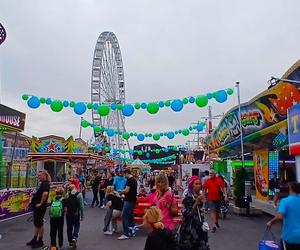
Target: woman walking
193, 231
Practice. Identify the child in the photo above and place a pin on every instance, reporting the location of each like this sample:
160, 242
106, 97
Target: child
159, 237
57, 218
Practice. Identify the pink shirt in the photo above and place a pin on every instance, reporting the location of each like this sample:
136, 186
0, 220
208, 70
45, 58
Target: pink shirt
151, 198
164, 203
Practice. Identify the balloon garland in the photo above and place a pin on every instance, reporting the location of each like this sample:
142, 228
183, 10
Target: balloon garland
165, 160
141, 136
139, 152
128, 109
2, 34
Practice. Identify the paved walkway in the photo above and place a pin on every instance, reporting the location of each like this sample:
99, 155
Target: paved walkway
236, 233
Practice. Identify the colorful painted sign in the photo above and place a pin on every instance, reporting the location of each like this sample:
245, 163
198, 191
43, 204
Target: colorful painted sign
14, 203
12, 119
294, 129
55, 144
262, 112
261, 173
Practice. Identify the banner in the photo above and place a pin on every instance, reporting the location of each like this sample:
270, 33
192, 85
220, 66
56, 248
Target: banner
16, 202
261, 173
11, 118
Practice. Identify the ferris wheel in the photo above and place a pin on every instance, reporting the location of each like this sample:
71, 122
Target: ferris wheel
108, 87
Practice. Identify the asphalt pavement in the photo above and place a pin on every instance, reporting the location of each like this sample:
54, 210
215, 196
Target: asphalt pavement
236, 233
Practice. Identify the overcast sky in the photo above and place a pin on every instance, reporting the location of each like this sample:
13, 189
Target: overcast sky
170, 49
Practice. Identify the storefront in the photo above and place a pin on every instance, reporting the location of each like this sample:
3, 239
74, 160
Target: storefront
264, 128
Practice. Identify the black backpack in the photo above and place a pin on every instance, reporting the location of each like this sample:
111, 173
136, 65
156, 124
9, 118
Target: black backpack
72, 204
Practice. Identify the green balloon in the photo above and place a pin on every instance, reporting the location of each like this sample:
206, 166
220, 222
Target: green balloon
126, 136
168, 103
119, 106
56, 106
72, 104
107, 149
25, 97
185, 101
85, 124
89, 105
201, 101
97, 130
230, 91
122, 151
174, 148
137, 106
152, 108
103, 110
140, 152
157, 151
185, 132
156, 137
42, 100
215, 94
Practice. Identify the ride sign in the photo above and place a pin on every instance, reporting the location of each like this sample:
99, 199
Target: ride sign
294, 129
11, 119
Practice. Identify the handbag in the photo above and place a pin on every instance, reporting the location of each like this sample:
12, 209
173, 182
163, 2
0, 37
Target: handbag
268, 244
205, 226
173, 209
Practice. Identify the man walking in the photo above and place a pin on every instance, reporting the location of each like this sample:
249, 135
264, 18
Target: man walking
39, 205
288, 211
95, 189
213, 187
130, 192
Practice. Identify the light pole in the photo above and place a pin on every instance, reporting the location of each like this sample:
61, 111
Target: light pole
240, 122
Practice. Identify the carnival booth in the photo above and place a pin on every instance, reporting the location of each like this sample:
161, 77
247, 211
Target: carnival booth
264, 129
138, 167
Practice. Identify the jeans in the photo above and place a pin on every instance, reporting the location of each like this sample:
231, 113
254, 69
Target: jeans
95, 198
127, 216
73, 226
102, 197
57, 227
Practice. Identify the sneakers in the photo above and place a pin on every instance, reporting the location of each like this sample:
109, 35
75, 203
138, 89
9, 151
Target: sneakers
37, 244
123, 237
74, 243
108, 232
214, 229
102, 206
30, 243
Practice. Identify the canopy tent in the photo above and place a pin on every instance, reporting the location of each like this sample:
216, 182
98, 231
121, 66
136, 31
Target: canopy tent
138, 166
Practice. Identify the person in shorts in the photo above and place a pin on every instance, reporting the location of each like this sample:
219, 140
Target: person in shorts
39, 206
213, 188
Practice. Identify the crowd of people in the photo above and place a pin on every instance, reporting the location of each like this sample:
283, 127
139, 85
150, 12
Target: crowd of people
118, 194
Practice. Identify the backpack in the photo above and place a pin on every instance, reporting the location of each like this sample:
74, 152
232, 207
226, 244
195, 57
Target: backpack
72, 204
56, 209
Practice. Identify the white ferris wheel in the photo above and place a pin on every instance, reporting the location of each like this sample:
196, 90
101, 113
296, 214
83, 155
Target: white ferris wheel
108, 87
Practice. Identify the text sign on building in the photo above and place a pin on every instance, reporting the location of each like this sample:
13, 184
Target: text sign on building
294, 129
12, 119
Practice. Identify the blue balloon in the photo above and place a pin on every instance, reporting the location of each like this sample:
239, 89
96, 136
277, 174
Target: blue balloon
144, 105
190, 128
170, 135
161, 134
48, 101
131, 152
95, 106
209, 96
147, 155
131, 134
177, 105
110, 132
176, 132
79, 108
200, 127
97, 147
192, 99
33, 102
221, 96
161, 104
66, 103
127, 110
150, 135
140, 137
113, 106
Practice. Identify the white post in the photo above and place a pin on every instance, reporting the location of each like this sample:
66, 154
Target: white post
297, 158
240, 122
